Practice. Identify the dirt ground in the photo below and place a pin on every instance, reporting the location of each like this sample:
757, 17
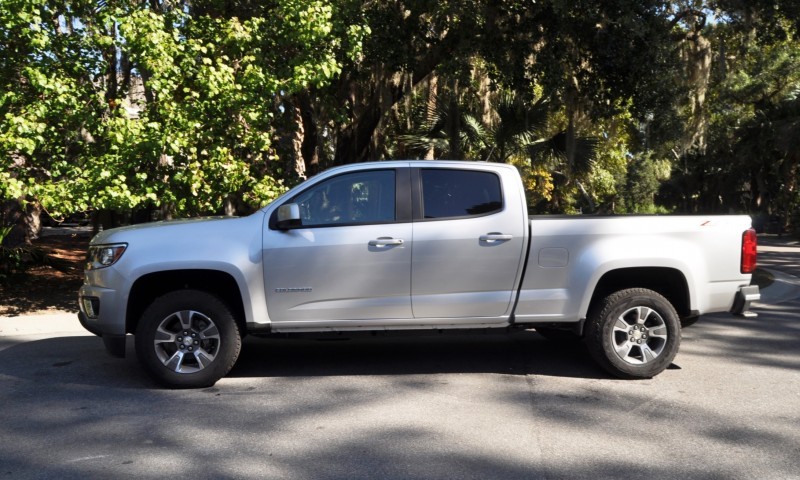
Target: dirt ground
43, 289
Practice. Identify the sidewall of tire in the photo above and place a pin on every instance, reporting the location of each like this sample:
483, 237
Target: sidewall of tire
601, 323
205, 303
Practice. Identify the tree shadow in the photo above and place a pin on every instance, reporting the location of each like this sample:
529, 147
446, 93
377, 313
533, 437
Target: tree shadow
372, 407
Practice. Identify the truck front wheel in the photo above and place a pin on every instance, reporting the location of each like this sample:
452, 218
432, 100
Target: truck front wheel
187, 339
633, 333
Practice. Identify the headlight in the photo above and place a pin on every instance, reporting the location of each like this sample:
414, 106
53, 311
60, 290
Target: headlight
101, 256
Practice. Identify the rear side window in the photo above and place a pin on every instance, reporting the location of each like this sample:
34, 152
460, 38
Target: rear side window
451, 193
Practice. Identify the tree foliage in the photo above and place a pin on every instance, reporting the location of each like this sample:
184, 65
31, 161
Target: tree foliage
122, 104
185, 108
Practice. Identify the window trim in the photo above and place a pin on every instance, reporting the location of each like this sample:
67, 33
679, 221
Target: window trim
418, 200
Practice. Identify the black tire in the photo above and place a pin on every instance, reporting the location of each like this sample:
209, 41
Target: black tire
198, 339
633, 333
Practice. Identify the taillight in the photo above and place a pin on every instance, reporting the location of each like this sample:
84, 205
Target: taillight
749, 251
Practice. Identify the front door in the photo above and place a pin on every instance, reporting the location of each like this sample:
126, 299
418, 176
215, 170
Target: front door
349, 261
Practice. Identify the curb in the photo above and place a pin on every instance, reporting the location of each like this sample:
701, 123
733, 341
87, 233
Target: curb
59, 321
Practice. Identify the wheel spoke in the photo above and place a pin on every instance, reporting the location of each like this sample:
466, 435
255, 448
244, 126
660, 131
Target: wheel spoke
204, 358
175, 362
210, 333
659, 331
643, 313
624, 350
163, 336
621, 325
185, 317
648, 354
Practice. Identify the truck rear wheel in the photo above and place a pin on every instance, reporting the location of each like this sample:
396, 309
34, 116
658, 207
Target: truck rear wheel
187, 339
633, 333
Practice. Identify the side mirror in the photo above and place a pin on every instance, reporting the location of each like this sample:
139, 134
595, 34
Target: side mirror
289, 216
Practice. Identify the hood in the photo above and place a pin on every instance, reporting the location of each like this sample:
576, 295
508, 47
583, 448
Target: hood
120, 234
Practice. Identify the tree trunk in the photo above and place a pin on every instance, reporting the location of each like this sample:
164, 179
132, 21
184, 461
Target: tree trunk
230, 206
24, 218
453, 127
309, 162
432, 95
586, 196
699, 74
110, 57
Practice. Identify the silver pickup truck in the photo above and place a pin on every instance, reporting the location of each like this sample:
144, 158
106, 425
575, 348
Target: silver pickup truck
411, 246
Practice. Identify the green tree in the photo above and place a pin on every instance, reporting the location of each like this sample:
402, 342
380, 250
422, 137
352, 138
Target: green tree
749, 163
75, 134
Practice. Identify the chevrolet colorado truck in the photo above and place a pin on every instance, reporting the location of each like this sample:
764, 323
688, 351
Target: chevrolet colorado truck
411, 245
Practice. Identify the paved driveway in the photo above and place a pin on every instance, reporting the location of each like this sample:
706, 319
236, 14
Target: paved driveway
469, 406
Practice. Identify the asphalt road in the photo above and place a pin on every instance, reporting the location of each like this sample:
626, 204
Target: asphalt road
464, 406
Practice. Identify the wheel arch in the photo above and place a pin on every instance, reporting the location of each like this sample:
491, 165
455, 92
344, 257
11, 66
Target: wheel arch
153, 285
669, 282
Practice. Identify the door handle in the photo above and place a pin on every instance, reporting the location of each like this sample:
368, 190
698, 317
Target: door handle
495, 237
385, 241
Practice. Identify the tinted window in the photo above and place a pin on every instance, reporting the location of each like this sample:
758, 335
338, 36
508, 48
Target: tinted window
459, 193
360, 197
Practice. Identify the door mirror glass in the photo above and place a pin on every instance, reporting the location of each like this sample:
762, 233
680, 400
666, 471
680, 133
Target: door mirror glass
289, 216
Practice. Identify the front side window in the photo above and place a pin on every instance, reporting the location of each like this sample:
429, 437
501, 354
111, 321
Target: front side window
353, 198
451, 193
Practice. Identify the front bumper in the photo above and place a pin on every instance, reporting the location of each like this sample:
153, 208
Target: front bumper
744, 297
105, 319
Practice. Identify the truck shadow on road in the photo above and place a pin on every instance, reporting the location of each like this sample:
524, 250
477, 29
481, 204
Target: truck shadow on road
518, 353
82, 359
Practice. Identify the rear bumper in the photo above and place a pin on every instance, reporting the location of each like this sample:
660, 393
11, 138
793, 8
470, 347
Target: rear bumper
744, 297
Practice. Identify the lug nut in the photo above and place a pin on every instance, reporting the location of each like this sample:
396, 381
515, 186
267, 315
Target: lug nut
182, 347
638, 341
190, 348
194, 335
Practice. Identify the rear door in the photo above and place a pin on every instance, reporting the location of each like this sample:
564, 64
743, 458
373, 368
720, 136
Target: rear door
468, 243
